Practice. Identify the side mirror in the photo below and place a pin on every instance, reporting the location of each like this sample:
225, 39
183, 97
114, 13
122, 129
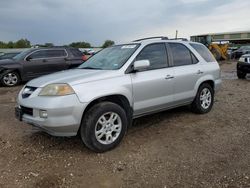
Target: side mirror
28, 58
141, 64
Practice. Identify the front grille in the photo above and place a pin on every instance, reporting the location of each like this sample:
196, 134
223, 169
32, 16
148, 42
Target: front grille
28, 90
26, 110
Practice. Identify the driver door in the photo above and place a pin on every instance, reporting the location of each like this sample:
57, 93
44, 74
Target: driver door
153, 87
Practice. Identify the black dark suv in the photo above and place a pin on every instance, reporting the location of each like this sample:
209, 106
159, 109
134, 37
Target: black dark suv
243, 66
36, 62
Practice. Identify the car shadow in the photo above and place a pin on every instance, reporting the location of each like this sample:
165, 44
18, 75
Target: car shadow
46, 142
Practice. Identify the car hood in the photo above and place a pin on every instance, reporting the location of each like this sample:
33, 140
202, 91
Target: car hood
73, 77
6, 62
246, 55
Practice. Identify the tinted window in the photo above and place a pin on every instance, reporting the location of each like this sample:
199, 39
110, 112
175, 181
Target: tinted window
48, 54
55, 53
76, 52
194, 59
204, 52
181, 55
156, 54
38, 54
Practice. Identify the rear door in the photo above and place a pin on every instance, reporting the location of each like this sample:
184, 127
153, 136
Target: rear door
42, 62
153, 87
187, 71
76, 58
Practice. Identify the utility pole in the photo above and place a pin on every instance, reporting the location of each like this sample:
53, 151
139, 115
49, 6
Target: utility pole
176, 34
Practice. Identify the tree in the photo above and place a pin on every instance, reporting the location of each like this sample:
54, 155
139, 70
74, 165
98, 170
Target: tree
48, 44
80, 45
108, 43
10, 44
2, 44
22, 43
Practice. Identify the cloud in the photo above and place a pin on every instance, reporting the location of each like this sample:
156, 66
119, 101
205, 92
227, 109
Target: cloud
63, 21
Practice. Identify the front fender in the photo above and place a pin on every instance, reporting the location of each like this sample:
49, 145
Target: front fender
88, 92
4, 71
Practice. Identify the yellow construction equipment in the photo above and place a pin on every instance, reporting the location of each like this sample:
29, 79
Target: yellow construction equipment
218, 50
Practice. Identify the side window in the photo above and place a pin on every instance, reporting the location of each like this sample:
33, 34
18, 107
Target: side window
204, 52
38, 54
76, 52
156, 54
55, 53
182, 55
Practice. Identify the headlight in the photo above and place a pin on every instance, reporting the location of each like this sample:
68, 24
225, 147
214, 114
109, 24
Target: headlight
242, 59
56, 90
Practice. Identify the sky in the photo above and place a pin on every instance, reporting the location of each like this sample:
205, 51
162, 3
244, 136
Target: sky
65, 21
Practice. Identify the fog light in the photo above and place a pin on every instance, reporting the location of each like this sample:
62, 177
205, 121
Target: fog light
43, 114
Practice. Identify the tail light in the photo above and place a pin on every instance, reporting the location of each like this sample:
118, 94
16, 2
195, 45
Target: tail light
84, 58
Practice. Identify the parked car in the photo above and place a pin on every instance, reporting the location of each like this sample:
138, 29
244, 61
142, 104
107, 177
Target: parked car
230, 51
241, 51
8, 55
243, 66
101, 97
89, 52
36, 62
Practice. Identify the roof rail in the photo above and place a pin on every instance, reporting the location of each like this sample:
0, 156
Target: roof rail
161, 37
183, 39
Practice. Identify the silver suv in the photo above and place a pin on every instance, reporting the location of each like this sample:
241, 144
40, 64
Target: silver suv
101, 97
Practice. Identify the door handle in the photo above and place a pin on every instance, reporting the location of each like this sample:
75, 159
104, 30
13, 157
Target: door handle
199, 72
169, 77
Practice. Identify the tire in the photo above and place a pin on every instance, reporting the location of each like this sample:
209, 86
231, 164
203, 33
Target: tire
202, 106
10, 79
98, 132
241, 75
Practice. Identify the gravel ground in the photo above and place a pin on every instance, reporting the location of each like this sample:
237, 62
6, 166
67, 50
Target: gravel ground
175, 148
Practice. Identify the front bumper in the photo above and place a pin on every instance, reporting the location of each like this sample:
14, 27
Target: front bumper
64, 113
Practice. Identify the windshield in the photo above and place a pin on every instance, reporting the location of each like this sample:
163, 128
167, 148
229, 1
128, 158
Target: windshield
244, 48
22, 55
111, 58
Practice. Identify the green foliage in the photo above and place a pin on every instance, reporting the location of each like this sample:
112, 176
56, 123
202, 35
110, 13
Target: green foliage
46, 45
11, 44
80, 45
108, 43
22, 43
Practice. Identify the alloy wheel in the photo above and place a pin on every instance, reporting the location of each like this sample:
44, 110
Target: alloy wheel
205, 98
108, 128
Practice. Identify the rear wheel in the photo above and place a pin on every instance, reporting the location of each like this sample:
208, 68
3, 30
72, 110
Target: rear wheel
10, 79
204, 99
103, 126
241, 75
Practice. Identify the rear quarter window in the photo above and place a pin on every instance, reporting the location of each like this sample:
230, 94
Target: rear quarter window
204, 52
76, 52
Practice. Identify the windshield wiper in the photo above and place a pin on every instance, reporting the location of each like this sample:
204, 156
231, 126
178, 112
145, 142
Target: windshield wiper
94, 68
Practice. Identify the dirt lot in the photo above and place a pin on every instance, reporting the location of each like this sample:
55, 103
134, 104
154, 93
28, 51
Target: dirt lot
171, 149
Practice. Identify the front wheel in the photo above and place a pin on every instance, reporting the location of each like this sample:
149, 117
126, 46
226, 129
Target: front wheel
241, 75
10, 79
103, 126
204, 99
